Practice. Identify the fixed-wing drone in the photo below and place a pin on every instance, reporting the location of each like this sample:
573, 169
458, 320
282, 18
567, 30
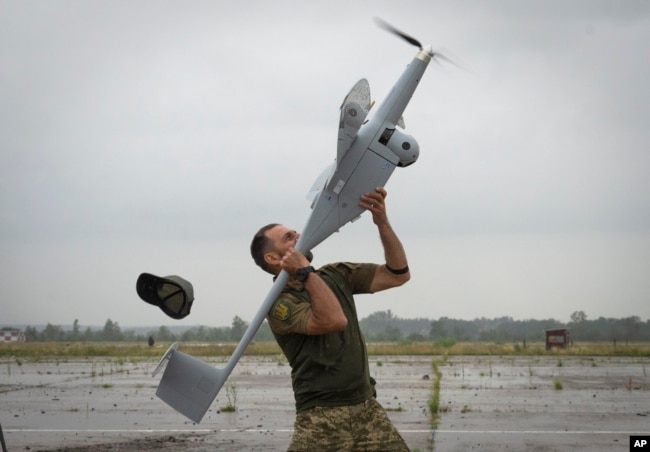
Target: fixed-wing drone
370, 147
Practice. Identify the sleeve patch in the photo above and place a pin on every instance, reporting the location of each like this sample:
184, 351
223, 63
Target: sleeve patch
281, 311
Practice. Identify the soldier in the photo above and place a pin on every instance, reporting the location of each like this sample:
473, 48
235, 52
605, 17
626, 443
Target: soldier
314, 320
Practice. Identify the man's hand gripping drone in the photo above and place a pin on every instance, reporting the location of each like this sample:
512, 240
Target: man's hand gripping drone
369, 149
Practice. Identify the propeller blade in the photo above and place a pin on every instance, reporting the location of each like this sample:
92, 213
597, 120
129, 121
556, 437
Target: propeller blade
439, 56
386, 26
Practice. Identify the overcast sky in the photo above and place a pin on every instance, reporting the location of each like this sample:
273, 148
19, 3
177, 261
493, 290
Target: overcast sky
157, 136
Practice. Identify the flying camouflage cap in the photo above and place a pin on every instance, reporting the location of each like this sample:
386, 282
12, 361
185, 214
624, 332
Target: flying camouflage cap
172, 294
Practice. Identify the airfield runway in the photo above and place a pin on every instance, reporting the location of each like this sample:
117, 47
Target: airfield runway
488, 403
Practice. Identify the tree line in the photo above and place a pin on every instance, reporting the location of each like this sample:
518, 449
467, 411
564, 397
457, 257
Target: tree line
381, 326
384, 326
112, 332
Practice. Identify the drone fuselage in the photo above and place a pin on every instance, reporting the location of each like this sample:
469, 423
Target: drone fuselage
379, 146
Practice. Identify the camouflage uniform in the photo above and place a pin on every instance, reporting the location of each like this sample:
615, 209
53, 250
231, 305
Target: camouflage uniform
334, 393
361, 427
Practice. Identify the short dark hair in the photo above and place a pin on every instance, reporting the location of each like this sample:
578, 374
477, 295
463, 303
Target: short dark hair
260, 245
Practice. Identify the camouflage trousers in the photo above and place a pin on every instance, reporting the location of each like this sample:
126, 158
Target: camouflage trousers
361, 427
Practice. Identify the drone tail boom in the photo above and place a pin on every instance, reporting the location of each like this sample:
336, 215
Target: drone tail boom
190, 385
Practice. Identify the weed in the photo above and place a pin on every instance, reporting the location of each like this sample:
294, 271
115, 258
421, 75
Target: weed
399, 409
557, 384
231, 394
629, 385
434, 401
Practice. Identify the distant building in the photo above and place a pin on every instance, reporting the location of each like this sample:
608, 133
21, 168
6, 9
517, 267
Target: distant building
11, 335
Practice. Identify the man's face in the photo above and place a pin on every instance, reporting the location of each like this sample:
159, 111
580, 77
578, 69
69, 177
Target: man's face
282, 238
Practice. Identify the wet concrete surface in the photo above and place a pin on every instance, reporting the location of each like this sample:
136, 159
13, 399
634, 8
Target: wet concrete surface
107, 404
543, 403
539, 403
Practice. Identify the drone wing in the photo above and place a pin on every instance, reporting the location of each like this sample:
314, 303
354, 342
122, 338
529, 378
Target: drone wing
354, 109
320, 183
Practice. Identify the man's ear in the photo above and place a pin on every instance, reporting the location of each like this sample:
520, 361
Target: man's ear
272, 258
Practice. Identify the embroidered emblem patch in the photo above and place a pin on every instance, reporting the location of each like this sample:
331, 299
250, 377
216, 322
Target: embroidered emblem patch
281, 311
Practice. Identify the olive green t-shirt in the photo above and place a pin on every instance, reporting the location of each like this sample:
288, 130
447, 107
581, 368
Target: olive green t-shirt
328, 369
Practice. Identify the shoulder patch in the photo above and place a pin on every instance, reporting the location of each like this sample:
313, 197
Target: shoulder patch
281, 311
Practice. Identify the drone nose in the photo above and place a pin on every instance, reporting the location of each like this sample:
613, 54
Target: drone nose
425, 54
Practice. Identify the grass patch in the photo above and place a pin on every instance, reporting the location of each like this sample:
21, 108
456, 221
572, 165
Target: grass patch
231, 395
132, 351
399, 409
434, 401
